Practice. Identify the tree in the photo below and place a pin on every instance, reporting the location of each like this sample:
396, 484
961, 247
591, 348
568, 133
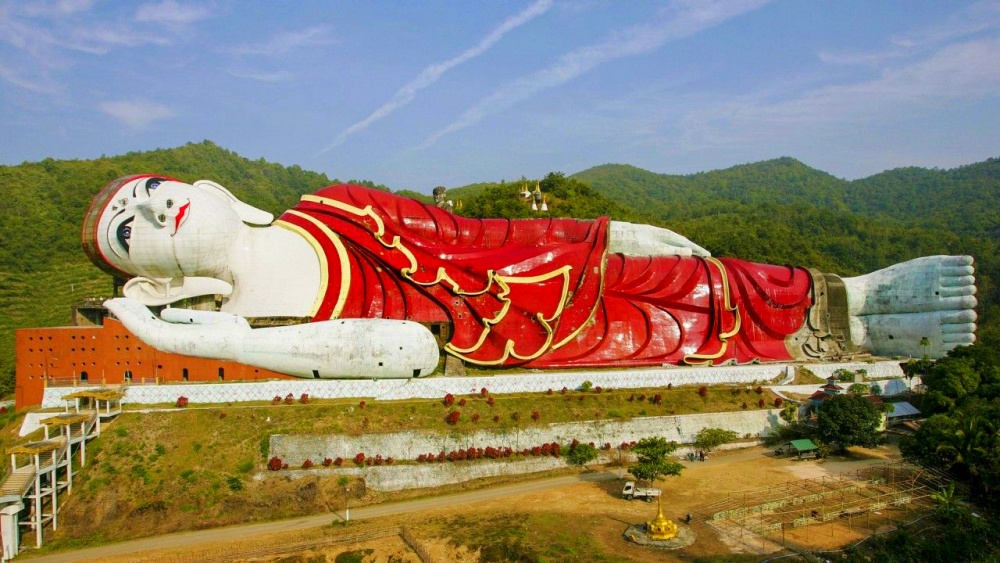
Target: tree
653, 462
581, 454
849, 420
859, 389
711, 438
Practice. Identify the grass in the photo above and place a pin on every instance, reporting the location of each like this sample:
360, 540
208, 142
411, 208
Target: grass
189, 468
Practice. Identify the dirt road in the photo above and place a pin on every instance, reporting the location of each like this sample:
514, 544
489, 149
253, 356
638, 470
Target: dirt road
192, 539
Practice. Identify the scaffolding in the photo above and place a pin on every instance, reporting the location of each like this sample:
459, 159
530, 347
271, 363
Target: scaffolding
771, 510
40, 470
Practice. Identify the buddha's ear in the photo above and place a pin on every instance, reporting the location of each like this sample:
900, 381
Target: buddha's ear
247, 212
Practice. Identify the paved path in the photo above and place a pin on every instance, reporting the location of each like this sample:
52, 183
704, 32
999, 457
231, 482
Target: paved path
192, 539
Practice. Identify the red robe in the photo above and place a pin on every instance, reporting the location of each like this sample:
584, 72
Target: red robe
542, 292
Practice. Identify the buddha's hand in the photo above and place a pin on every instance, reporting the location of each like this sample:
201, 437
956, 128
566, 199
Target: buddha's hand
202, 334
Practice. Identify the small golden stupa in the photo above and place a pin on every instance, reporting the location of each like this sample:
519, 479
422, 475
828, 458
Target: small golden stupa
661, 527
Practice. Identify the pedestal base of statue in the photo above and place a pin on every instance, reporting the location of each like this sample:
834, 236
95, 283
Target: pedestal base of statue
453, 367
636, 533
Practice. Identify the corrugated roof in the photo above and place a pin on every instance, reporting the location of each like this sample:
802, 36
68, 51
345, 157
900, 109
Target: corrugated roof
903, 408
804, 445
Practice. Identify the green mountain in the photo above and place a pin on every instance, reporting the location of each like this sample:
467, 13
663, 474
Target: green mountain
779, 211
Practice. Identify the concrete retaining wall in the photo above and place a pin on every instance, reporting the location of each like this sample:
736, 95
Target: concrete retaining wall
294, 449
390, 389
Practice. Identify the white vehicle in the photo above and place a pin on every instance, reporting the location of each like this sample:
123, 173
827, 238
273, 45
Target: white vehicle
630, 491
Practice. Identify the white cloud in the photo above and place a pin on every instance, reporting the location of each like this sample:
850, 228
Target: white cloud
136, 114
284, 42
430, 74
279, 76
680, 20
963, 71
171, 13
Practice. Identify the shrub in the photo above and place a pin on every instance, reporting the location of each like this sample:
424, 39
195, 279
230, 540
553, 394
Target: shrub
453, 417
549, 392
362, 405
484, 392
564, 390
490, 401
657, 399
284, 466
461, 402
496, 418
327, 462
703, 391
390, 460
761, 402
274, 463
275, 400
304, 398
448, 400
586, 386
777, 401
475, 417
289, 399
339, 461
535, 415
515, 416
222, 415
307, 464
759, 390
182, 402
743, 405
631, 397
359, 459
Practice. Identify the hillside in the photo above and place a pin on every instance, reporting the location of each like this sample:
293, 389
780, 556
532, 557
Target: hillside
782, 211
43, 271
779, 211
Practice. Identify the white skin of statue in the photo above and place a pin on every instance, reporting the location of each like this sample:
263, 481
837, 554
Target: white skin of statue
193, 240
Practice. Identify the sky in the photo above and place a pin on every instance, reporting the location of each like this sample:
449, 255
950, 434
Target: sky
418, 94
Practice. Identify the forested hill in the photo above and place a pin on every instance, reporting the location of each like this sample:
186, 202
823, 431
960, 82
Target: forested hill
963, 199
43, 271
779, 211
784, 212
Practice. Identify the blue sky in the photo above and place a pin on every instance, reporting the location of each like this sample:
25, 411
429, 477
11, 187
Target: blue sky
417, 94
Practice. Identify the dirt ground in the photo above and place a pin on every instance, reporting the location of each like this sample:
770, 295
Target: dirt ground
596, 508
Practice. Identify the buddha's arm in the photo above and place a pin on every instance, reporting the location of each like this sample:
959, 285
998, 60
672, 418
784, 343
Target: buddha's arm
360, 348
632, 239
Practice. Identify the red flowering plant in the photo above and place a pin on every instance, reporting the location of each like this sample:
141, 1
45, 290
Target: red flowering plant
449, 400
778, 401
182, 402
453, 417
703, 391
339, 461
484, 392
274, 463
327, 462
289, 399
307, 464
359, 459
535, 415
304, 398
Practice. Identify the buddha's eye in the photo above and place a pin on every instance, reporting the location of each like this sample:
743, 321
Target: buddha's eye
153, 183
124, 233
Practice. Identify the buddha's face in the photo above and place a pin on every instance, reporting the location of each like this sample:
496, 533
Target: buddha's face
161, 228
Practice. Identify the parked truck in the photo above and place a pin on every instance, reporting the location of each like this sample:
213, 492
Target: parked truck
630, 491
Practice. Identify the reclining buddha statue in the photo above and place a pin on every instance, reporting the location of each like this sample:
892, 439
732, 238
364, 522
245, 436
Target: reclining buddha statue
367, 272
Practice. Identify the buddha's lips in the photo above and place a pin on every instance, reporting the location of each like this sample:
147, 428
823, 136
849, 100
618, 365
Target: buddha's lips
181, 215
